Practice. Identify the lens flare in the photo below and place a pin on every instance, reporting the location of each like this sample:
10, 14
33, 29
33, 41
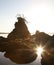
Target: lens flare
39, 50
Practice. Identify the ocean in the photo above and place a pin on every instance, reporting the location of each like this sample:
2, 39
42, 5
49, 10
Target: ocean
7, 61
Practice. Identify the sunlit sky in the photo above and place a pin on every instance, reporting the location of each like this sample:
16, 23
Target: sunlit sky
38, 13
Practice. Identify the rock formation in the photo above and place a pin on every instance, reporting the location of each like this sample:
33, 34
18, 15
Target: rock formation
48, 42
20, 31
48, 56
17, 45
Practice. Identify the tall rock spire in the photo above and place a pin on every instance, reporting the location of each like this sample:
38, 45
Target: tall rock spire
20, 31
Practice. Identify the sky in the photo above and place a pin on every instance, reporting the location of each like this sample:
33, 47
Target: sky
38, 13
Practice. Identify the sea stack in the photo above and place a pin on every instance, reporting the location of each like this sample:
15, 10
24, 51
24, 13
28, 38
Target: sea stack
20, 31
20, 48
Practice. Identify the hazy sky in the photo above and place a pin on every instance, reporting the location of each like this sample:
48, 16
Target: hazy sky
38, 13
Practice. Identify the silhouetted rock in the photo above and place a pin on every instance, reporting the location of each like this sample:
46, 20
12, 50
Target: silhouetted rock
20, 52
18, 45
20, 31
48, 57
3, 44
42, 38
48, 42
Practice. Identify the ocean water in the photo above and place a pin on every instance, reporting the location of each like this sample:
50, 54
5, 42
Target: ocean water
7, 61
4, 35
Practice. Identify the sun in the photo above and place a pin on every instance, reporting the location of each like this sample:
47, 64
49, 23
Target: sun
39, 50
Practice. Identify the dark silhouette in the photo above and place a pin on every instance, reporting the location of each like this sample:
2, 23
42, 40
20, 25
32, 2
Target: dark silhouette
47, 41
19, 45
20, 31
42, 38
